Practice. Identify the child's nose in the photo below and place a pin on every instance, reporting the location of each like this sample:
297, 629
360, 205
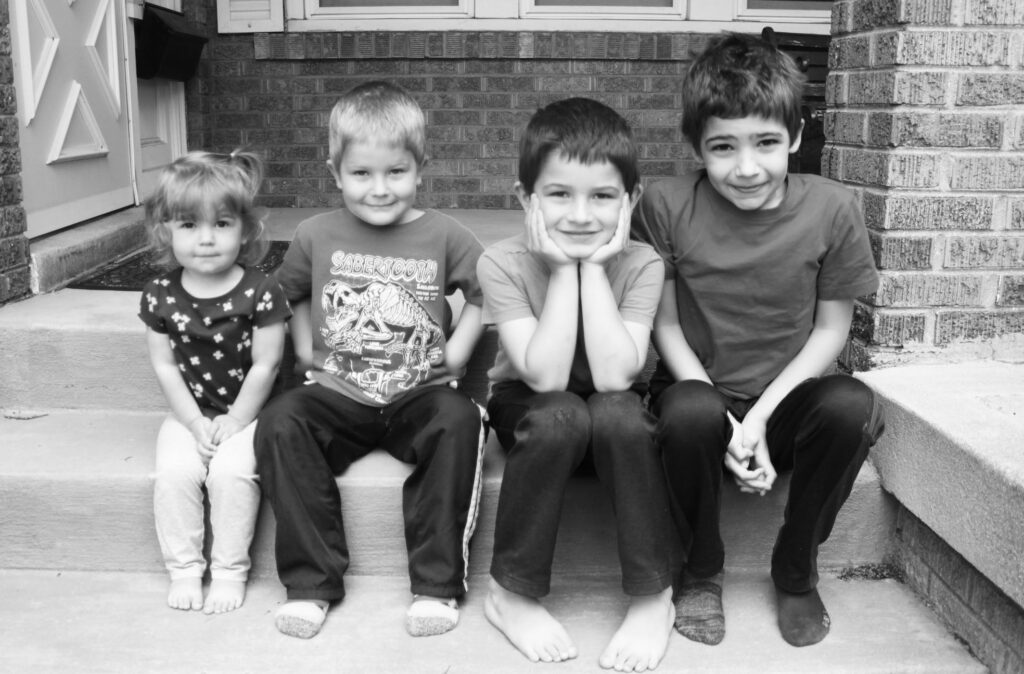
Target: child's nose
746, 165
380, 184
581, 211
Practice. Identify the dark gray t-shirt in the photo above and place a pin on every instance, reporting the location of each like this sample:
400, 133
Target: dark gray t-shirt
747, 282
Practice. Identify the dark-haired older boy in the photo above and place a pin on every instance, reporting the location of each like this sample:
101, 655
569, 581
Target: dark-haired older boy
763, 268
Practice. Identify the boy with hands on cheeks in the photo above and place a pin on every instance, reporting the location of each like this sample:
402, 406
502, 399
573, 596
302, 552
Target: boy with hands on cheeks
763, 269
574, 300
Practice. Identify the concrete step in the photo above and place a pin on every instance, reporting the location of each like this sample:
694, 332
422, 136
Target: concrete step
76, 494
109, 623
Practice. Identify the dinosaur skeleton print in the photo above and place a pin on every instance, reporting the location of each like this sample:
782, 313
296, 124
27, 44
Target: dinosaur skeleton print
376, 327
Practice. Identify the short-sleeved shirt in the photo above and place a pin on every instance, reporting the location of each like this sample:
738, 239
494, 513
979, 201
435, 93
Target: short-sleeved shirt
747, 282
515, 283
211, 337
378, 309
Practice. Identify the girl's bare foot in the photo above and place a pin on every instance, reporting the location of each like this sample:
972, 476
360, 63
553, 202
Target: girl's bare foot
186, 594
528, 625
224, 596
641, 640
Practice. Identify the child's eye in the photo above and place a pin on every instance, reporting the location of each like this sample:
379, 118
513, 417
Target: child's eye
399, 171
606, 195
557, 194
223, 223
186, 224
769, 142
359, 173
719, 148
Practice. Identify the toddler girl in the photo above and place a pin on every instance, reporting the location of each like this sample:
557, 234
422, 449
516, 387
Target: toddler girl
215, 330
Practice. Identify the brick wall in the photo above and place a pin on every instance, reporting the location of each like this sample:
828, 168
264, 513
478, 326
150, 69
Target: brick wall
970, 604
14, 258
274, 93
924, 120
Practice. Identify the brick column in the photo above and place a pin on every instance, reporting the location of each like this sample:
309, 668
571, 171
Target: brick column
14, 259
926, 121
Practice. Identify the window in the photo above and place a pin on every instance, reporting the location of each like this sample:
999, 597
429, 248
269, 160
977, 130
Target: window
249, 16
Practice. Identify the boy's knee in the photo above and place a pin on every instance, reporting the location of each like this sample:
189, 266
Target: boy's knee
689, 404
559, 412
850, 406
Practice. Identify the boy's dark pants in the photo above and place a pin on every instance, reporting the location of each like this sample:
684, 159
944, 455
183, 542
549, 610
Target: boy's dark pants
547, 437
310, 434
821, 431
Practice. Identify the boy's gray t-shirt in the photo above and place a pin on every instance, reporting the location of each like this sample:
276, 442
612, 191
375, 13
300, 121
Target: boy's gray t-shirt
747, 282
379, 315
515, 283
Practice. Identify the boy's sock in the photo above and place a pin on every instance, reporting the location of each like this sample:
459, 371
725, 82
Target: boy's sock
302, 619
699, 613
803, 619
429, 616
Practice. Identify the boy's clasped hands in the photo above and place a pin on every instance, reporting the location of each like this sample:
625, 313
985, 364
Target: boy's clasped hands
747, 457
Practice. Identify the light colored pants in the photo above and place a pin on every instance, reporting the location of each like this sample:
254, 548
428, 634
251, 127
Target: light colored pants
232, 485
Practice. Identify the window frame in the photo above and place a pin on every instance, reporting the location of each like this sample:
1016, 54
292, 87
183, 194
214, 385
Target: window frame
685, 16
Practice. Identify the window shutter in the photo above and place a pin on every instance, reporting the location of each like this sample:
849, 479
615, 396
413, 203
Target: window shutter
250, 16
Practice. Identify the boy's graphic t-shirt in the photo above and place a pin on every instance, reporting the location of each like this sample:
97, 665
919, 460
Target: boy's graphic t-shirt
378, 309
747, 282
211, 337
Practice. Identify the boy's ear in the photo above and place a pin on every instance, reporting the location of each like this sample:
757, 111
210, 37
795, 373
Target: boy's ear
695, 151
524, 198
634, 198
334, 173
794, 145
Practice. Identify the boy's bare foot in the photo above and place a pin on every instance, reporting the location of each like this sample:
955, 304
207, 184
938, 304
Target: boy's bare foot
528, 625
803, 619
641, 640
699, 613
186, 594
301, 618
224, 596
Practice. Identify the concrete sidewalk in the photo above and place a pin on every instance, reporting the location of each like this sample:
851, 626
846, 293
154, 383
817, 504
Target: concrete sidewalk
109, 623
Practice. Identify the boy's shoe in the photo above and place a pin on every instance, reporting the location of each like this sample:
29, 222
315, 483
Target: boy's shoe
302, 619
427, 617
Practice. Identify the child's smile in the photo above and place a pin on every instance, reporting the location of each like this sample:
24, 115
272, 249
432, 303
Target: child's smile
580, 203
207, 246
378, 183
747, 160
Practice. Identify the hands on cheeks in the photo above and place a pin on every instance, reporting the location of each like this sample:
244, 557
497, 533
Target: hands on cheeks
209, 433
747, 456
619, 239
538, 240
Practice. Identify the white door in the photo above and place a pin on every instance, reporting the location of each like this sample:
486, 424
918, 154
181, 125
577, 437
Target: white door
161, 121
72, 109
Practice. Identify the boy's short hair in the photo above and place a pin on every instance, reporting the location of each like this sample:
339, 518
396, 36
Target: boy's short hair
380, 112
740, 75
581, 129
200, 185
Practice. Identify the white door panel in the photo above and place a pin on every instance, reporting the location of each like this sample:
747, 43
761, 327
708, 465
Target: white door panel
74, 131
161, 122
